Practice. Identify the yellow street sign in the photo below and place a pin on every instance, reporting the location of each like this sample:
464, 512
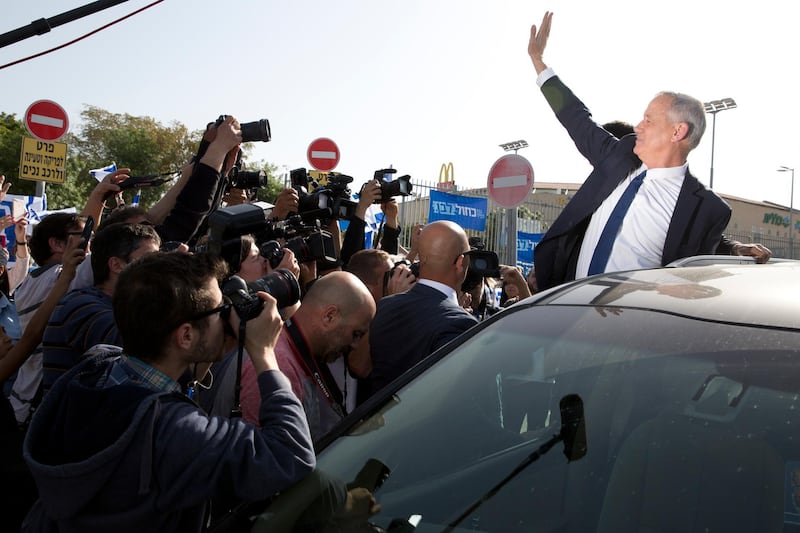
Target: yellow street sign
43, 161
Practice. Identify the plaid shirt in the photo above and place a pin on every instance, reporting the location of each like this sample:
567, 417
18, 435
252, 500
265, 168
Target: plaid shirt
130, 369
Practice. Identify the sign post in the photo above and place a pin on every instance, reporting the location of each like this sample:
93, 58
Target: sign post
323, 154
44, 161
509, 183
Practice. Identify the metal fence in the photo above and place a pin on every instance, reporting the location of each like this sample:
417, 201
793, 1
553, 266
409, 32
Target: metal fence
532, 216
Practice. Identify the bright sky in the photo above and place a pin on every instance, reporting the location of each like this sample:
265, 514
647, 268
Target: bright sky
418, 83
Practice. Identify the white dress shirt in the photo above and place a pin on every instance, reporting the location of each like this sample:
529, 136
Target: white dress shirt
640, 242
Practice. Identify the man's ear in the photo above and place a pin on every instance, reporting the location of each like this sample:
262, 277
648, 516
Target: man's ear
56, 245
115, 265
681, 131
330, 313
183, 336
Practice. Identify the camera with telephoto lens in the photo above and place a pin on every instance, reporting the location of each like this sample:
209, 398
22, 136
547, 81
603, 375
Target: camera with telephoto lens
251, 131
246, 179
329, 201
400, 186
280, 284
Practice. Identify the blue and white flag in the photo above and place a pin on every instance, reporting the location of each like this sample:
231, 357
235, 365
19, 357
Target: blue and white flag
136, 198
466, 211
100, 173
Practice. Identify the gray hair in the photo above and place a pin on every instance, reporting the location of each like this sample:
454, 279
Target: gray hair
685, 108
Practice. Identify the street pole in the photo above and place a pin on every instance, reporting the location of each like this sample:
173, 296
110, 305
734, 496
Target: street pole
713, 135
713, 107
791, 211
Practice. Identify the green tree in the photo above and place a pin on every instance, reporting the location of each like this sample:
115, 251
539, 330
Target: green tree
11, 132
140, 143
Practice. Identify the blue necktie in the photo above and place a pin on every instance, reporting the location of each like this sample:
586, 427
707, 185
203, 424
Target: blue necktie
603, 249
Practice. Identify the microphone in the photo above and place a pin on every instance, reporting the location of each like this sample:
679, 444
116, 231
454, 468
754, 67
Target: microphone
573, 427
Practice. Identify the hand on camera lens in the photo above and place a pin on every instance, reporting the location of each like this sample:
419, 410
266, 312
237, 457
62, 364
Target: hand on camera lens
263, 330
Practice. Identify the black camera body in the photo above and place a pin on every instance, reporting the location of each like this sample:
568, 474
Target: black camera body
400, 186
329, 201
258, 130
246, 179
280, 284
482, 264
317, 246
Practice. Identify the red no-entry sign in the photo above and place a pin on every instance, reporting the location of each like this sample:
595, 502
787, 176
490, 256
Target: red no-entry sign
323, 154
510, 180
46, 120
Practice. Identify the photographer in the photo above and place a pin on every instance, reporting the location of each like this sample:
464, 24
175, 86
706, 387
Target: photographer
203, 191
355, 234
215, 391
331, 322
153, 458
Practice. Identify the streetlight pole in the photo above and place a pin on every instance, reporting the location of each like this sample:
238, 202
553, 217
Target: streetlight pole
713, 107
791, 211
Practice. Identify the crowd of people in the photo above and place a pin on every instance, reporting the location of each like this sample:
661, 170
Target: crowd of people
158, 363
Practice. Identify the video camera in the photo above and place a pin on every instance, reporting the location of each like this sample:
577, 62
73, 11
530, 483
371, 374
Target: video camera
482, 264
329, 201
317, 246
227, 224
400, 186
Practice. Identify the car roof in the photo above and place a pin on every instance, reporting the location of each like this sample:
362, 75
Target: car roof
767, 295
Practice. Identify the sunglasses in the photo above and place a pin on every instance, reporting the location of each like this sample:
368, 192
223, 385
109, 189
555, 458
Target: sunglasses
224, 311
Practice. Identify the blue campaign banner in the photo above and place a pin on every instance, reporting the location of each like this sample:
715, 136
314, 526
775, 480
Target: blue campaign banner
526, 242
466, 211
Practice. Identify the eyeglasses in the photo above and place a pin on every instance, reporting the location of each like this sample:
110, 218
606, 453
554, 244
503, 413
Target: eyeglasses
224, 311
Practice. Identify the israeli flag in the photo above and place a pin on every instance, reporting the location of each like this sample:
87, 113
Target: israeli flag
136, 198
100, 173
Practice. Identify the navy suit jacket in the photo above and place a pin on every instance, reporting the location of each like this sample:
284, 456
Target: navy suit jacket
697, 223
407, 328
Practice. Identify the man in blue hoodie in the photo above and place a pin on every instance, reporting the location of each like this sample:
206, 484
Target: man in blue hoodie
116, 445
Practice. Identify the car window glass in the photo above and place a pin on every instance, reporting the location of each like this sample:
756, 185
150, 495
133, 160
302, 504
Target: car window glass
657, 390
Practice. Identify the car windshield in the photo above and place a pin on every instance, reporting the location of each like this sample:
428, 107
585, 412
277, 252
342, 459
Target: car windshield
690, 425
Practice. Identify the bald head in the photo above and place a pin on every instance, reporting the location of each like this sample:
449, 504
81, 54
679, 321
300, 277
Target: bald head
441, 244
335, 315
339, 288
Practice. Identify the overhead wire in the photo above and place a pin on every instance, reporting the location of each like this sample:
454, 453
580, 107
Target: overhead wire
101, 28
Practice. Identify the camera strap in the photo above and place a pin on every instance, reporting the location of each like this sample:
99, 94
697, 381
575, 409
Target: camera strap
321, 373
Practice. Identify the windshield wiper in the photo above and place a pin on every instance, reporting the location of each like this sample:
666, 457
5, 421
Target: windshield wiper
572, 433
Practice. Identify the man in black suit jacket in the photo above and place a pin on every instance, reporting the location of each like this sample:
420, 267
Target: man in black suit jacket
410, 326
676, 216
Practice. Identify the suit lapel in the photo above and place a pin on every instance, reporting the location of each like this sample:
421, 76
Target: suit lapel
683, 217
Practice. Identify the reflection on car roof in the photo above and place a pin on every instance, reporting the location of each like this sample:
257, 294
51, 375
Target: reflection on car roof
766, 295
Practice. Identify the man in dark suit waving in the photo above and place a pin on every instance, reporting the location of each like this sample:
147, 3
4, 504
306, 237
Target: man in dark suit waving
640, 207
411, 325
